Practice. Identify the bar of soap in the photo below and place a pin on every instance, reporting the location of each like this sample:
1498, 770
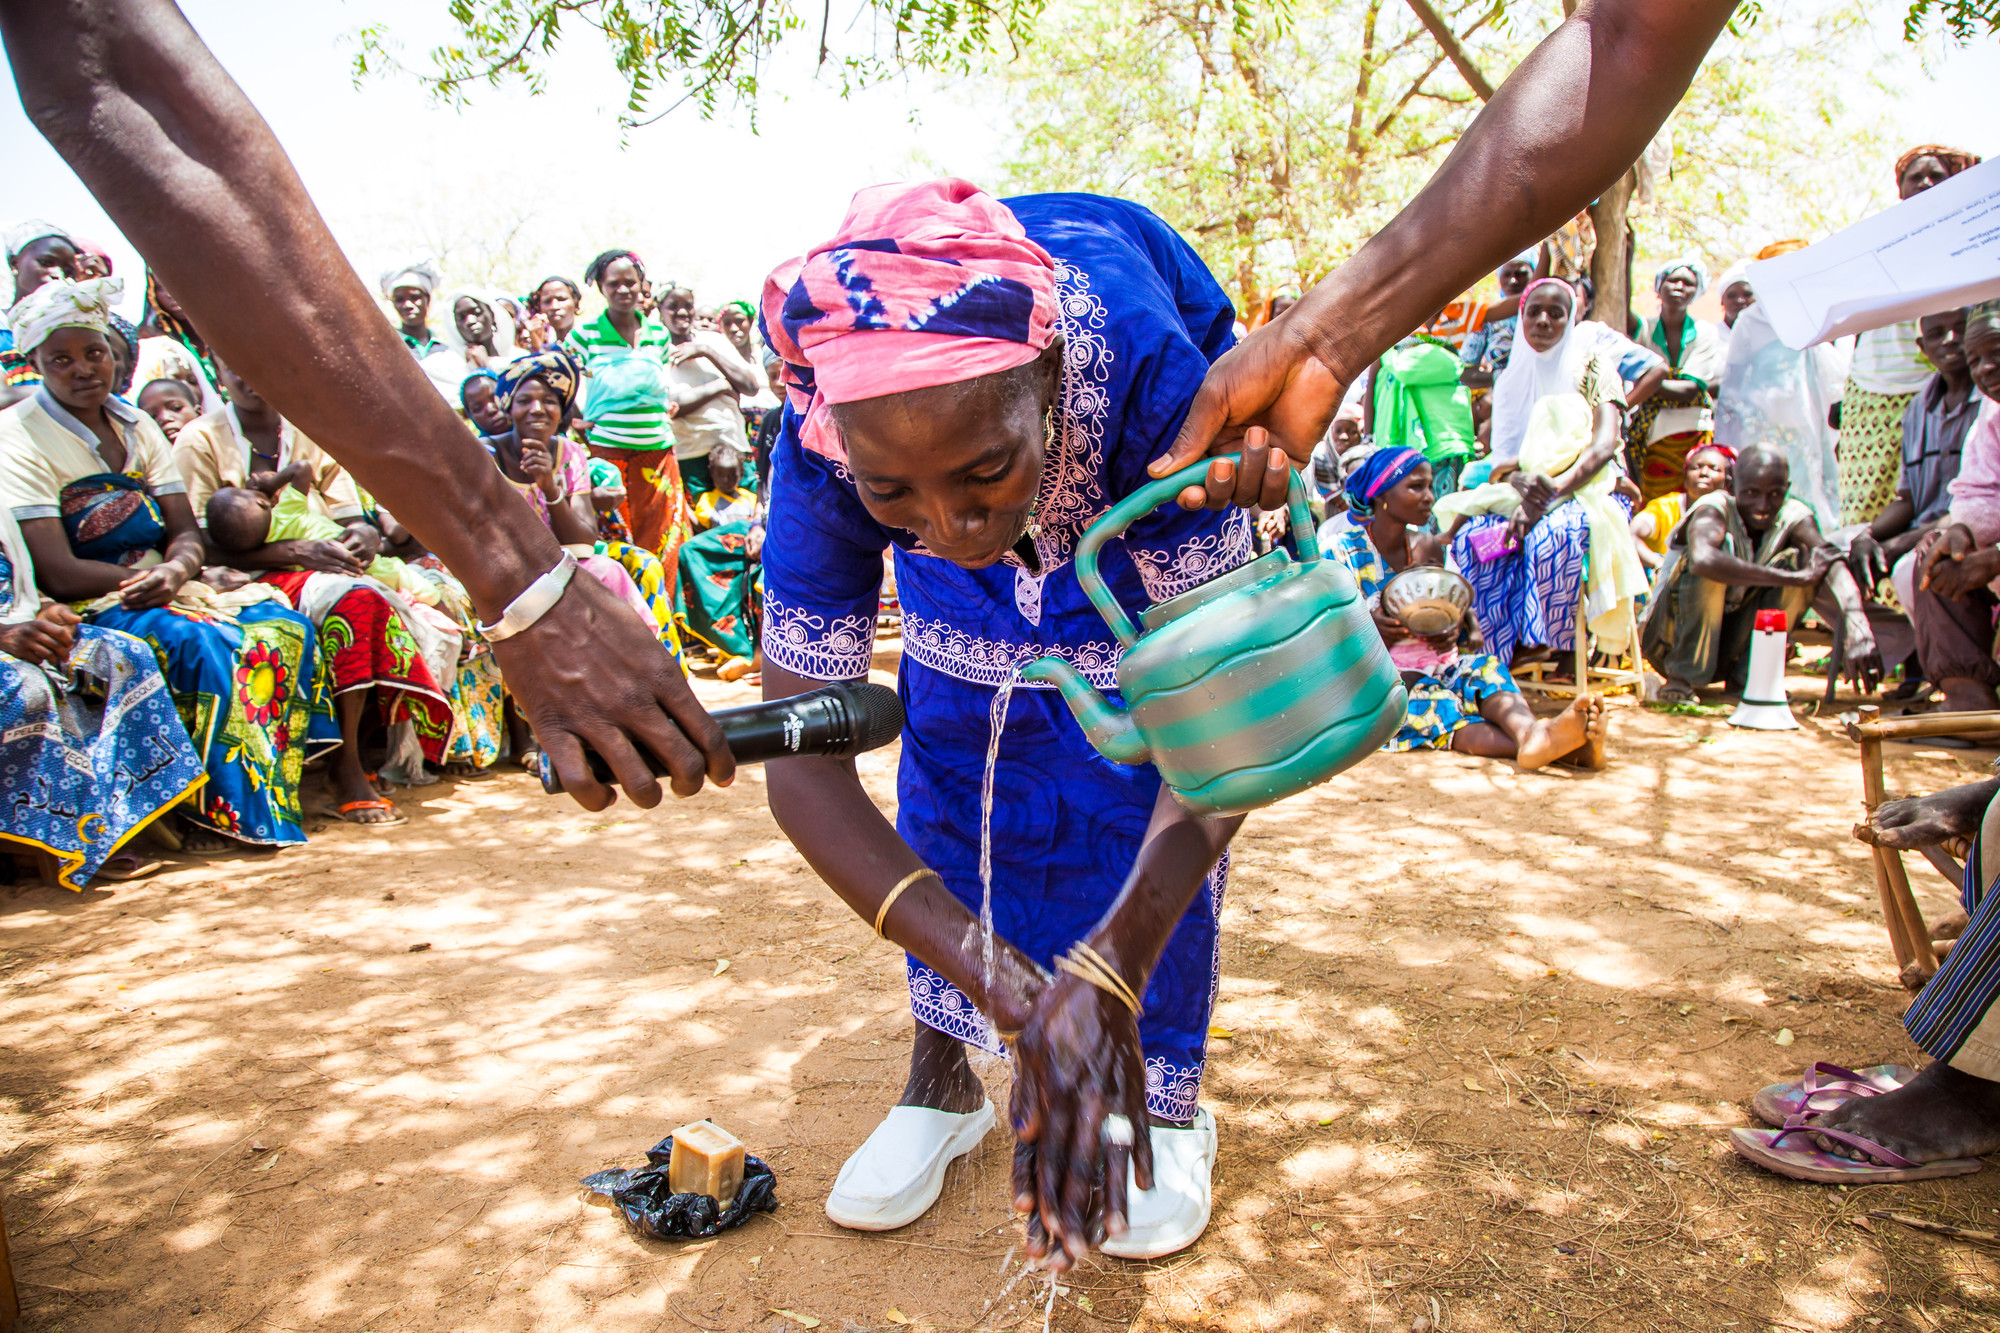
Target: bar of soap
707, 1159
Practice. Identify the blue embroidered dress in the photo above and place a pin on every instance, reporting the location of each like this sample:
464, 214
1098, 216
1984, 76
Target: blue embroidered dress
1141, 320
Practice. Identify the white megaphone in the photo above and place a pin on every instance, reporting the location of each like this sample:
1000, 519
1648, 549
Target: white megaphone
1764, 706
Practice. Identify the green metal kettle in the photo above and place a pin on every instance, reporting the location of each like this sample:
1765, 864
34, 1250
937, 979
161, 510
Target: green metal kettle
1262, 682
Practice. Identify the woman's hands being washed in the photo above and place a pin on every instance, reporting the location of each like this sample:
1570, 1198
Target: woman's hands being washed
1076, 1063
1078, 1059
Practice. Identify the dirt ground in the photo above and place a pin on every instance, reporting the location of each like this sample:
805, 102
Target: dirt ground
1480, 1038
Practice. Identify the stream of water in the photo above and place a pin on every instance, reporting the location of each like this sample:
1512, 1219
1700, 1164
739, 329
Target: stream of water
997, 720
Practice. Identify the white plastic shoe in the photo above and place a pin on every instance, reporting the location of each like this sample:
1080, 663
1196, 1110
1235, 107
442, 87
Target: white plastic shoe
894, 1178
1172, 1215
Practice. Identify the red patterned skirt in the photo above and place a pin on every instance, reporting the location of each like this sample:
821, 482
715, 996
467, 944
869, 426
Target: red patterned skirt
362, 644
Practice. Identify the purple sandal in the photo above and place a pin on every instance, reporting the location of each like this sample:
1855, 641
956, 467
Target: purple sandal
1804, 1161
1825, 1087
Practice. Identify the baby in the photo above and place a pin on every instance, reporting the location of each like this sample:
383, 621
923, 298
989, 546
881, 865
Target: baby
272, 508
728, 502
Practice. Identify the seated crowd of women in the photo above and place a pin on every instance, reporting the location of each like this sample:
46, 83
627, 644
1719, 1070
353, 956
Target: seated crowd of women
1541, 533
199, 600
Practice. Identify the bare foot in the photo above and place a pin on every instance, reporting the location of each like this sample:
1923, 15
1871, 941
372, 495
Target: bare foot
1549, 739
1939, 1114
1950, 926
1925, 821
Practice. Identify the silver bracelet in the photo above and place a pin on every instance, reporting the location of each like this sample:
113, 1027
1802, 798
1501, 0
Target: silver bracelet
534, 602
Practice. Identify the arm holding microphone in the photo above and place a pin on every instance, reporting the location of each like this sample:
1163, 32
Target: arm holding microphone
808, 733
183, 164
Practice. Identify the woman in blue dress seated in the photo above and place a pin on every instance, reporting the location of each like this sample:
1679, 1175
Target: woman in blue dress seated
1458, 701
1552, 527
91, 750
104, 515
970, 383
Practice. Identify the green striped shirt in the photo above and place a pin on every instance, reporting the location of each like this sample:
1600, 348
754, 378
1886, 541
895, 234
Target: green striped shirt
626, 389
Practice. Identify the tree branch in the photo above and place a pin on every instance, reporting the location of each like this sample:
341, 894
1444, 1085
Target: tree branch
1409, 94
1454, 49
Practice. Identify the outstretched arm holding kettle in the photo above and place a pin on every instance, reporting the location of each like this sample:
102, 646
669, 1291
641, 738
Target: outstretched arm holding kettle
1564, 126
1076, 1047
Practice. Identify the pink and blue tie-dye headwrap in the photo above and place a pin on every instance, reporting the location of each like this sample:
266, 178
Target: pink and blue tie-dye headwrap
1376, 474
924, 285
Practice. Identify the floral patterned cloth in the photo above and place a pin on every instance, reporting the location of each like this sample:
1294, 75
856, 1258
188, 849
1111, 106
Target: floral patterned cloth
91, 751
478, 707
254, 704
364, 644
247, 687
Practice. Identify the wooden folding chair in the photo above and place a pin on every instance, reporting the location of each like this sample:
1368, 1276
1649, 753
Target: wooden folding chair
1622, 679
10, 1303
1909, 937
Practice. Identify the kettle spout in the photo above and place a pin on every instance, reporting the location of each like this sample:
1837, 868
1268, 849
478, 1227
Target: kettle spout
1108, 728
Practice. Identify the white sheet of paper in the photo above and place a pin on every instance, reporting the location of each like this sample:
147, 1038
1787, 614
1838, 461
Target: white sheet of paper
1935, 251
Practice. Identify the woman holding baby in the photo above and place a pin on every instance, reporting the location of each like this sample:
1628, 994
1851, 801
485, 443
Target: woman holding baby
106, 521
387, 654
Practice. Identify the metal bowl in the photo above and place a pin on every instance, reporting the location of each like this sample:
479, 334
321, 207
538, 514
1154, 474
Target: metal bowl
1428, 599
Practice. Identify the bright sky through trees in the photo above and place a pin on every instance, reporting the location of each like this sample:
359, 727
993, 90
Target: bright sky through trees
708, 202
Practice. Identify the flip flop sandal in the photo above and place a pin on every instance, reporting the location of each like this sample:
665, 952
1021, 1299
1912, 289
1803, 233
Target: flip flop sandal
125, 867
1806, 1162
400, 817
1676, 694
1825, 1087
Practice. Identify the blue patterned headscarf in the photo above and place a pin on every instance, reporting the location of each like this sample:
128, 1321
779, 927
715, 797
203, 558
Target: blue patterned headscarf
556, 368
468, 382
1376, 474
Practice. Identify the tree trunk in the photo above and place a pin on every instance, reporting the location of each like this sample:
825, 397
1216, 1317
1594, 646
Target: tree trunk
1610, 260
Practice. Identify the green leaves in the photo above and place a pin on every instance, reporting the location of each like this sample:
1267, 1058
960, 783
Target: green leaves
1963, 20
708, 52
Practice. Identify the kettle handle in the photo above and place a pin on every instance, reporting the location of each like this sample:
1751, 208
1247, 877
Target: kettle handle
1143, 502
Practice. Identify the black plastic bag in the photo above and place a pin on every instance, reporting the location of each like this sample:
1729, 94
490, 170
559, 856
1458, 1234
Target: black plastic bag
652, 1209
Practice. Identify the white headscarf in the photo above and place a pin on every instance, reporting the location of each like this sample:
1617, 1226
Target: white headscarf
63, 304
1696, 269
1732, 275
446, 316
26, 232
1531, 376
422, 274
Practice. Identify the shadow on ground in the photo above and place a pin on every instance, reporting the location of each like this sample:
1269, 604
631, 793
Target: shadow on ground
1479, 1039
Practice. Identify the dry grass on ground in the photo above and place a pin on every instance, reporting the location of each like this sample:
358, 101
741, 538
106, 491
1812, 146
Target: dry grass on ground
1486, 1032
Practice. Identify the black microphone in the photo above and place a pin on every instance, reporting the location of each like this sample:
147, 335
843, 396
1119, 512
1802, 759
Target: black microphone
836, 720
